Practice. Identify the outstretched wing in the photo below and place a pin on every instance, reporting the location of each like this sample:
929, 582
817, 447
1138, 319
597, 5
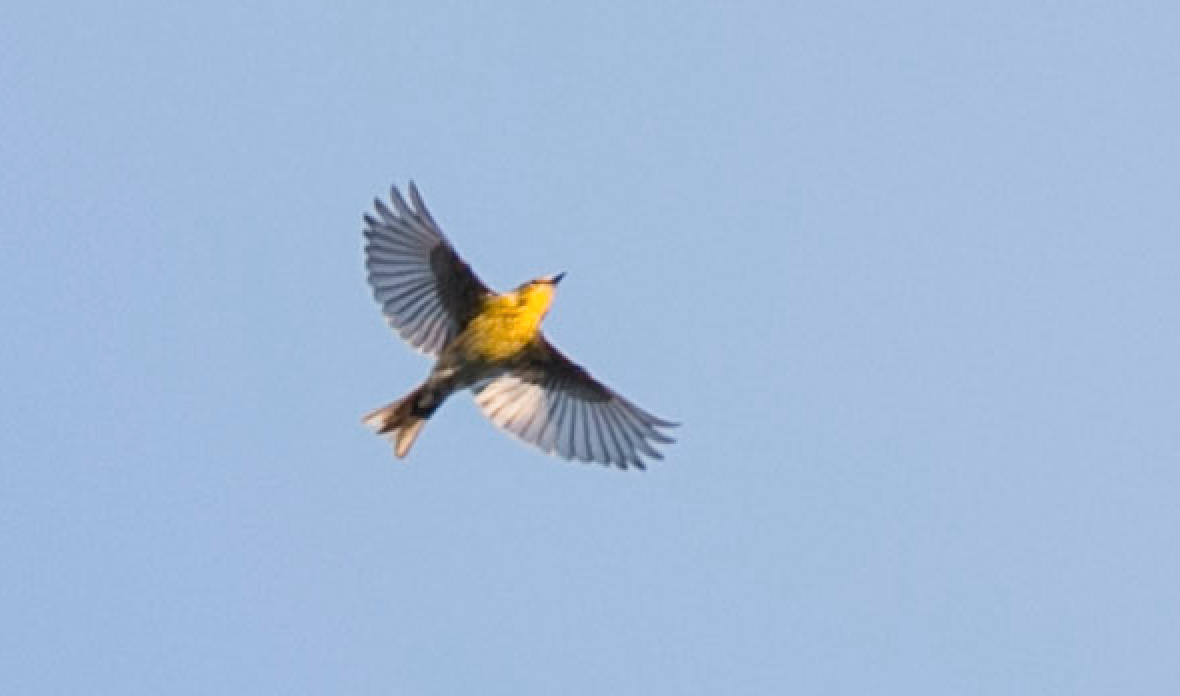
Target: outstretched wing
549, 401
427, 293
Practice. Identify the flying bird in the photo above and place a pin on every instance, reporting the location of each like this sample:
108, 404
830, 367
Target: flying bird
492, 344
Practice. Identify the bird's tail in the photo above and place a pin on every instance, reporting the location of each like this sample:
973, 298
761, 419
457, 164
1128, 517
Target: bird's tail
402, 420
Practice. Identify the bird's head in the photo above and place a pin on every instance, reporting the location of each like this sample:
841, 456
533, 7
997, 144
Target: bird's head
538, 292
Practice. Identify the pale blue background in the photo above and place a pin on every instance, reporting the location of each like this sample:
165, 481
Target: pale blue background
908, 274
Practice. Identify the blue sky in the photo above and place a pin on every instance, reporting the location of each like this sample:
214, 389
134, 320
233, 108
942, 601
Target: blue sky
908, 275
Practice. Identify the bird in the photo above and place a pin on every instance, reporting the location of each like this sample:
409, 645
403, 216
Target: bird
492, 344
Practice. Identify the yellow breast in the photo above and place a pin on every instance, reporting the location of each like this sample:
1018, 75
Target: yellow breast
506, 325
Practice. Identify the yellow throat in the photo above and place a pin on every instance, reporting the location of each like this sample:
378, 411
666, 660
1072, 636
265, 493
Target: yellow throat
507, 323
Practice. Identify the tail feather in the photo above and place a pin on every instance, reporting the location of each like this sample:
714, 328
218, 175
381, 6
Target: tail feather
401, 420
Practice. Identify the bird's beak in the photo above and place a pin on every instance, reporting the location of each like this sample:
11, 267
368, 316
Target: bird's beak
557, 278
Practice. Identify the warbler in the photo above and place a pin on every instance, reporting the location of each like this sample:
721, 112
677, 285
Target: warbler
491, 343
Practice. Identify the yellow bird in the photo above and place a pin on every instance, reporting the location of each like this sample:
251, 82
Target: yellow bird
491, 343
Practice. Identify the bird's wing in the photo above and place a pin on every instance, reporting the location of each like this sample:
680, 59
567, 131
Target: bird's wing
427, 293
549, 401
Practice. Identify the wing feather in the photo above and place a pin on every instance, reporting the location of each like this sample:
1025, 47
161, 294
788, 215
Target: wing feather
547, 400
426, 292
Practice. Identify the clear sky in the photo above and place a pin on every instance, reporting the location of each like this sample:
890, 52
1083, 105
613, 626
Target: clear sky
907, 273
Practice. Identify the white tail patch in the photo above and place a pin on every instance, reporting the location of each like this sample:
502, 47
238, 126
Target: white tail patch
403, 438
401, 429
376, 419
